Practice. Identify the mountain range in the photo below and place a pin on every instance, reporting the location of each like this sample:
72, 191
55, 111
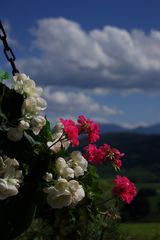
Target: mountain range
115, 128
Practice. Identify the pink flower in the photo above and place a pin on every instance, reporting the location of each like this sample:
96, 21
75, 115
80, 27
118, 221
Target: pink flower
112, 154
89, 127
103, 154
124, 188
93, 154
117, 153
118, 163
71, 131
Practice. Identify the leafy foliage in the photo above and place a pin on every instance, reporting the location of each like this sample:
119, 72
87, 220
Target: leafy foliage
4, 76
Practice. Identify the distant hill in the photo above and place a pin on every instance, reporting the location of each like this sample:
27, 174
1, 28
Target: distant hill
114, 128
111, 128
152, 129
142, 155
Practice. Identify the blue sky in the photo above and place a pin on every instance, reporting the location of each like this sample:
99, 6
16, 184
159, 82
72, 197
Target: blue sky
99, 58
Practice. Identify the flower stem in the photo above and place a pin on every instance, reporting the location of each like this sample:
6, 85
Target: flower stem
59, 139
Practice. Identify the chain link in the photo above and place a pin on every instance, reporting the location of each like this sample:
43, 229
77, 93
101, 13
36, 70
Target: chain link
7, 50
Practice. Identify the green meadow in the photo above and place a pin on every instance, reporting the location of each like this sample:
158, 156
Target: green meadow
140, 231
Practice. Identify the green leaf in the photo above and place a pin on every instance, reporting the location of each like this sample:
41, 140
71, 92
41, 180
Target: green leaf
91, 183
4, 75
45, 134
31, 140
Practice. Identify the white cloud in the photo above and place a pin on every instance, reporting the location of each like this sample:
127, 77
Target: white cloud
134, 125
109, 58
73, 104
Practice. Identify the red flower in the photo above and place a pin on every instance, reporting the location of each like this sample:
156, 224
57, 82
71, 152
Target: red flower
71, 131
89, 127
118, 163
93, 154
103, 154
124, 188
112, 154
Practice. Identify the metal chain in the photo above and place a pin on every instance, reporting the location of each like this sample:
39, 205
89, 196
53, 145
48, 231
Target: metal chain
7, 50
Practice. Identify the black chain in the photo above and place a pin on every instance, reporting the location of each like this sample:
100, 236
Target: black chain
7, 50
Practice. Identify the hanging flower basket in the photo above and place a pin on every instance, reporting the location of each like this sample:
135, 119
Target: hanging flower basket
42, 172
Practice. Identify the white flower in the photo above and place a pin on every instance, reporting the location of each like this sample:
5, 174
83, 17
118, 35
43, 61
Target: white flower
55, 147
23, 125
78, 171
77, 191
67, 173
19, 80
6, 164
63, 169
8, 188
78, 163
59, 141
74, 167
20, 77
29, 87
15, 134
60, 165
61, 184
8, 168
79, 159
64, 193
59, 196
58, 129
48, 177
41, 103
10, 177
23, 84
31, 106
37, 124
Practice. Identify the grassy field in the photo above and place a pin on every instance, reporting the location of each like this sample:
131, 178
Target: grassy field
141, 231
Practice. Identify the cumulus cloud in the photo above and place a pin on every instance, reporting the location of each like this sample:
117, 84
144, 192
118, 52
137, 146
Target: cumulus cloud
72, 104
110, 58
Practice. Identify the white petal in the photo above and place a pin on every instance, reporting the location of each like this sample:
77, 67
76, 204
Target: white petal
78, 171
